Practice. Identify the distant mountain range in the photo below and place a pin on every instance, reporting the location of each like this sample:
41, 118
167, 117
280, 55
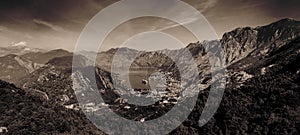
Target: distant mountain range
261, 96
18, 49
15, 66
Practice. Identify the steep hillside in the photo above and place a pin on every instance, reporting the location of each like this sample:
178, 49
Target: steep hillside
23, 113
266, 103
53, 79
260, 40
14, 67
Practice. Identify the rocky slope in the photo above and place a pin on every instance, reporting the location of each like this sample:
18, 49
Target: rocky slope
242, 42
266, 103
14, 67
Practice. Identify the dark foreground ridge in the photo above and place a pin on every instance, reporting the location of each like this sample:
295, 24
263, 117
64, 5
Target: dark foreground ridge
23, 113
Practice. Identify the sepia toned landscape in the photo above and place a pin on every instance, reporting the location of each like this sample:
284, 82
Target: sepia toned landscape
38, 92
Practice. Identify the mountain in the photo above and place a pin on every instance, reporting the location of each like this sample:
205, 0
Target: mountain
237, 44
14, 67
104, 59
18, 49
262, 81
53, 80
262, 88
243, 53
44, 57
266, 103
241, 42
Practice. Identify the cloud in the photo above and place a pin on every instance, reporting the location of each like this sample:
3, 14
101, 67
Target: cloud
47, 24
207, 5
181, 23
188, 17
22, 43
183, 18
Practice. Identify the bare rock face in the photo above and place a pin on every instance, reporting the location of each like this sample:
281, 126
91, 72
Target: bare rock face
239, 43
258, 41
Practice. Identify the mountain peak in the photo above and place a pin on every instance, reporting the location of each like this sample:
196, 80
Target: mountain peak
59, 50
286, 22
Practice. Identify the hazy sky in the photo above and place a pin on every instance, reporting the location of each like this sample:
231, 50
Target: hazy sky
53, 24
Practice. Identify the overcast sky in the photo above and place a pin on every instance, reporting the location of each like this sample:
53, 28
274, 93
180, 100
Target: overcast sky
54, 24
